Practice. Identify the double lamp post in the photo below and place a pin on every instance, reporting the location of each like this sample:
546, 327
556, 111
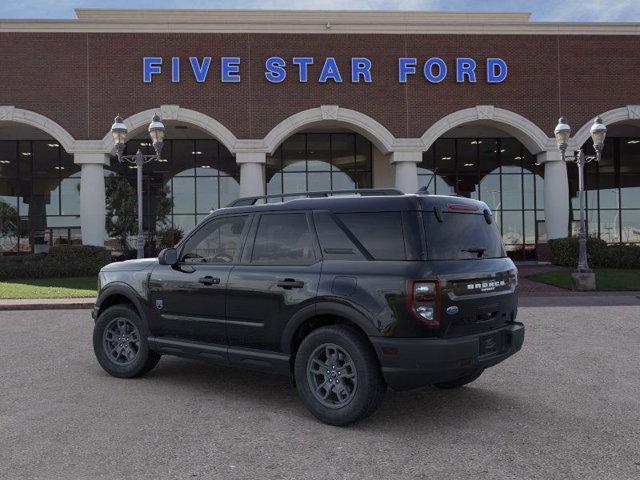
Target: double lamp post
156, 132
583, 278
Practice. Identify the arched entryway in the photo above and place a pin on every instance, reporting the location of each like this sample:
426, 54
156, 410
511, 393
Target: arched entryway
612, 185
325, 148
39, 184
489, 154
197, 174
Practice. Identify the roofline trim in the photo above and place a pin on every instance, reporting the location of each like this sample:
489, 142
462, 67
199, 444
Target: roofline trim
310, 21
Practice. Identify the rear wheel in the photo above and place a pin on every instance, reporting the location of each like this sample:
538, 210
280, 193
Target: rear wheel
120, 343
459, 382
338, 376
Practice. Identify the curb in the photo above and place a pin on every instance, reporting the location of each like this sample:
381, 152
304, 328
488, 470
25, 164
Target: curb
73, 304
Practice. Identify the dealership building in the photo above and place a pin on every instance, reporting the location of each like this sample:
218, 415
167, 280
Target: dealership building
273, 102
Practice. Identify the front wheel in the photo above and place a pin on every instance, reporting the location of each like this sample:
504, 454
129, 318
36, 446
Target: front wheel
338, 375
120, 343
459, 382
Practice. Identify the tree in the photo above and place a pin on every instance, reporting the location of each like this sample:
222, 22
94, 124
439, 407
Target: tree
122, 209
9, 223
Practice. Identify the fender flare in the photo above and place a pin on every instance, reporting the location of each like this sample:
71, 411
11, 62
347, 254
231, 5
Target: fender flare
119, 288
326, 308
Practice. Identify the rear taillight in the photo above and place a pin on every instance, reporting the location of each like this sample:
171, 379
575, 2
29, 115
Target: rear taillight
513, 278
423, 298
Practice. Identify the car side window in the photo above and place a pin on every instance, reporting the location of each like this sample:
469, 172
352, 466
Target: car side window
283, 239
380, 233
216, 242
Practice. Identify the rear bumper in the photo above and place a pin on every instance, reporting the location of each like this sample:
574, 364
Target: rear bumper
415, 362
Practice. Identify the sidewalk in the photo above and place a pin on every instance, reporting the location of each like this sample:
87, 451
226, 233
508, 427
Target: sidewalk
537, 294
47, 304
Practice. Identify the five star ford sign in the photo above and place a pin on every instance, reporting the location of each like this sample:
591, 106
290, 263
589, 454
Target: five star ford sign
361, 69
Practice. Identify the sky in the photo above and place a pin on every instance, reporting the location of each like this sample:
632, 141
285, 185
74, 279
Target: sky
542, 10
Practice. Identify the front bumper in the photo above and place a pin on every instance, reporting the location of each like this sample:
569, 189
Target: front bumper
416, 362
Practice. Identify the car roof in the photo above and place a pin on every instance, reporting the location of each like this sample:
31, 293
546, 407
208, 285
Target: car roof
357, 203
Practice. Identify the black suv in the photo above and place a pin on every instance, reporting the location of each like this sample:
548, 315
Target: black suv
348, 294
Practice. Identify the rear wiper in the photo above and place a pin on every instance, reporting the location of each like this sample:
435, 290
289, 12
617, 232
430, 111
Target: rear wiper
479, 250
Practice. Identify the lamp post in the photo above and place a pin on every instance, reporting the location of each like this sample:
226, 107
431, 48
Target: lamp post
584, 279
156, 132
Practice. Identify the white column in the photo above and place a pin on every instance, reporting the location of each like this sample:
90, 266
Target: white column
556, 194
251, 173
406, 166
92, 198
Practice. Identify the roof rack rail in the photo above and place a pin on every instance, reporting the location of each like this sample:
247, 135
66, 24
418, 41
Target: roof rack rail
365, 192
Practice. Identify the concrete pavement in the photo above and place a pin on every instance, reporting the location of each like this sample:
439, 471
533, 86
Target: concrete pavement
565, 407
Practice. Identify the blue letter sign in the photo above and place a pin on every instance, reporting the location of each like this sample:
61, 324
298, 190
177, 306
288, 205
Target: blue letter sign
200, 71
496, 70
150, 66
434, 69
330, 71
275, 69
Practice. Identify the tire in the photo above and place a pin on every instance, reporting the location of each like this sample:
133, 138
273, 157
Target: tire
354, 390
459, 382
134, 358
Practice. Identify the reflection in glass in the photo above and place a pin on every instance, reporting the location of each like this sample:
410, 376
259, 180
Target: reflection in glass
39, 190
612, 190
512, 228
631, 226
318, 162
610, 226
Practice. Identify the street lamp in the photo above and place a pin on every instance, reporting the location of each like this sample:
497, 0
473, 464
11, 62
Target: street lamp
156, 132
598, 133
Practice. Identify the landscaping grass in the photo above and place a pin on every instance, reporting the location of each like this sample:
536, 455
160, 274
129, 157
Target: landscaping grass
606, 279
72, 287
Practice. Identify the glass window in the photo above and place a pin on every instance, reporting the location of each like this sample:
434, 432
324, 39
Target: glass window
283, 239
381, 234
488, 158
334, 242
45, 158
207, 194
461, 236
183, 190
319, 161
318, 152
610, 226
629, 155
512, 233
216, 242
467, 154
445, 155
293, 153
8, 159
183, 156
490, 191
631, 226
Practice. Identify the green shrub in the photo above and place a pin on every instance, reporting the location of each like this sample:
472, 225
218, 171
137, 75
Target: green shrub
564, 252
620, 256
61, 261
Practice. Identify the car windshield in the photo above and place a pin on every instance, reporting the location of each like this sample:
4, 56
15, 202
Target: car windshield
461, 236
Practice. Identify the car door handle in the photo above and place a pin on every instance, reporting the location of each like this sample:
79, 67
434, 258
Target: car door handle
289, 283
209, 280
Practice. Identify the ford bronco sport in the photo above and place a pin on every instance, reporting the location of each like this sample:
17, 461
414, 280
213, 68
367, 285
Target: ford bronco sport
347, 294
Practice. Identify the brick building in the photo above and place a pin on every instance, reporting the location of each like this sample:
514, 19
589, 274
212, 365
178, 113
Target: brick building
269, 101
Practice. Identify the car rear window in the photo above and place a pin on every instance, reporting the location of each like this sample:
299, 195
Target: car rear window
462, 236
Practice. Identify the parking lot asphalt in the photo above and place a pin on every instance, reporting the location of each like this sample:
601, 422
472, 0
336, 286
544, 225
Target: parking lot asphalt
567, 406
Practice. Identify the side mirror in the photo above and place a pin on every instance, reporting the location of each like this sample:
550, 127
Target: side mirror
168, 256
